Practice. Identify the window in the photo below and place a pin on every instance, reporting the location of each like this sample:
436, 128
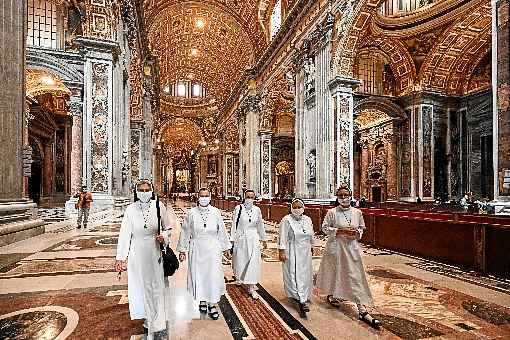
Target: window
197, 90
181, 90
42, 24
276, 18
393, 7
374, 71
185, 89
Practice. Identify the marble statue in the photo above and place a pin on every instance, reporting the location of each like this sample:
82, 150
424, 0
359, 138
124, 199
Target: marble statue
312, 165
309, 68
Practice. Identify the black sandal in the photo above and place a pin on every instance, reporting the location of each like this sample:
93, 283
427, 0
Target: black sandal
306, 307
332, 301
213, 312
202, 307
374, 322
302, 311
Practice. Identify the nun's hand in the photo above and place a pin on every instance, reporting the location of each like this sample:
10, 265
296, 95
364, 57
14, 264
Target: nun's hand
264, 244
119, 266
160, 239
226, 253
281, 255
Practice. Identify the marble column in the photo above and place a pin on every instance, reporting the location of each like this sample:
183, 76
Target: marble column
99, 113
300, 165
391, 170
19, 215
501, 103
76, 110
47, 172
251, 150
364, 168
265, 164
343, 159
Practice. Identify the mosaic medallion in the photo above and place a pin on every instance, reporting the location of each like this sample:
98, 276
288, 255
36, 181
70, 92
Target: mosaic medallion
41, 325
107, 241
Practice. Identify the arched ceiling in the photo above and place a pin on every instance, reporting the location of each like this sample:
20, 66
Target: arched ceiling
212, 42
180, 136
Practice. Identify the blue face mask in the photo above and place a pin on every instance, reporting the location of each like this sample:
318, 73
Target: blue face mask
204, 201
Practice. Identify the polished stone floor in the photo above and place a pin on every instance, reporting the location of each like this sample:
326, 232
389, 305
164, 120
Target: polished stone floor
62, 285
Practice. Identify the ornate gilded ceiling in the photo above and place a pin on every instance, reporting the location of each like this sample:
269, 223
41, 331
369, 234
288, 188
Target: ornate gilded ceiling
211, 42
180, 136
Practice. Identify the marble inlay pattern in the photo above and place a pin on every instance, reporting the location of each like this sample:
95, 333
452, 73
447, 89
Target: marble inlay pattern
106, 228
100, 315
85, 242
99, 142
44, 325
26, 268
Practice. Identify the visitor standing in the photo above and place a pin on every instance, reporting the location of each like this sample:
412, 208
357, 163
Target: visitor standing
83, 206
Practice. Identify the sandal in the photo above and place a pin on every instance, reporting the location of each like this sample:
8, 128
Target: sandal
369, 319
306, 307
333, 301
302, 311
213, 312
202, 307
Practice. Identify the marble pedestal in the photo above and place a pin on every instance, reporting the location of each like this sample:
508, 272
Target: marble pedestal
19, 221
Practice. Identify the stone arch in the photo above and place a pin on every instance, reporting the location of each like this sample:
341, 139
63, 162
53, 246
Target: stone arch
70, 75
383, 105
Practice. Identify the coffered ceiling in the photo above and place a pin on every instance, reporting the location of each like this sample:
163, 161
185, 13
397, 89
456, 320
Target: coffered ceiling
210, 42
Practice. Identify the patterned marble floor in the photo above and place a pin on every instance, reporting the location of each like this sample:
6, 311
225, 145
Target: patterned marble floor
62, 285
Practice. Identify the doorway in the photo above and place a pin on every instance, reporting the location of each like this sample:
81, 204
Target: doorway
376, 194
35, 180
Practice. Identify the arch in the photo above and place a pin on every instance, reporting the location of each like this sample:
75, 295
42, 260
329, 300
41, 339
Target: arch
69, 74
384, 105
39, 82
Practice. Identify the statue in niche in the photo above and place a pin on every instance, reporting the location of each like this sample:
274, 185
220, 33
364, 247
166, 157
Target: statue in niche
289, 77
312, 165
125, 165
76, 16
309, 68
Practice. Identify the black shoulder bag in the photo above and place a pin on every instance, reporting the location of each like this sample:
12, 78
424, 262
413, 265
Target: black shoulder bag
170, 261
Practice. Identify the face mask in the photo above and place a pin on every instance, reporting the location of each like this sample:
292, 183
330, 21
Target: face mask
344, 202
298, 212
249, 202
204, 201
144, 196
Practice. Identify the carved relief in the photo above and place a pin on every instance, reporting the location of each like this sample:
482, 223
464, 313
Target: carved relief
135, 155
427, 150
266, 168
343, 140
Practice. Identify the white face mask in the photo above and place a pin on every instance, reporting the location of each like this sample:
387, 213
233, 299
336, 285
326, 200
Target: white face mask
249, 202
204, 201
344, 202
297, 212
144, 196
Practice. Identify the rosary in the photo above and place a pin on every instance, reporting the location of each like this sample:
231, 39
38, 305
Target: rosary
145, 217
249, 212
204, 219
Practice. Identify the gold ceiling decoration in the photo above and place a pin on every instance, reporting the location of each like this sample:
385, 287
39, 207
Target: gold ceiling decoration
213, 41
371, 117
39, 82
181, 136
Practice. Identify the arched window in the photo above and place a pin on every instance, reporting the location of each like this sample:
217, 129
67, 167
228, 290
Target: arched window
374, 71
276, 18
185, 89
44, 26
393, 7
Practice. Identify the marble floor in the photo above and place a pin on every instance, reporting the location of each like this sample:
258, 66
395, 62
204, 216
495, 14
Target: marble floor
62, 285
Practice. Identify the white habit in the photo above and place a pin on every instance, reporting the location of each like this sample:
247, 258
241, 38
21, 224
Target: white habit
246, 236
146, 282
341, 271
204, 237
296, 238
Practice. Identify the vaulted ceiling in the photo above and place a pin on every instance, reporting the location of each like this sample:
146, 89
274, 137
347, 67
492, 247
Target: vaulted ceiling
210, 42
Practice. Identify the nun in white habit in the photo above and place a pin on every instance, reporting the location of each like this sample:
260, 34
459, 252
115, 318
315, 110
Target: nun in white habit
139, 243
295, 244
204, 237
247, 231
341, 274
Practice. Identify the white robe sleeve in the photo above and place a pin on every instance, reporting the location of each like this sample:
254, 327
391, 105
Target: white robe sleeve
328, 223
223, 236
260, 227
167, 222
282, 234
361, 224
313, 241
185, 235
233, 229
124, 242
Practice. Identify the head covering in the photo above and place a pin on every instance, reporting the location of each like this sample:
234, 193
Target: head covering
298, 200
